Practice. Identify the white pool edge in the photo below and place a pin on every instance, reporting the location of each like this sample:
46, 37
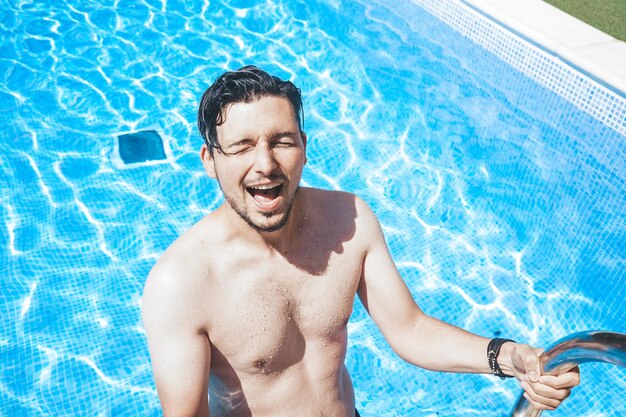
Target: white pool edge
580, 63
591, 50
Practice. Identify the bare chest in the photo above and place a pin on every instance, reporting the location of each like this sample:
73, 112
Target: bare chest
263, 318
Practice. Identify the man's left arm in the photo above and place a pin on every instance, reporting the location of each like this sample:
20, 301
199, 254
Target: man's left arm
432, 344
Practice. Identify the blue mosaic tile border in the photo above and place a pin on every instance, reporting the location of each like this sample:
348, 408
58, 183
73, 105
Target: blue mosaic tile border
547, 70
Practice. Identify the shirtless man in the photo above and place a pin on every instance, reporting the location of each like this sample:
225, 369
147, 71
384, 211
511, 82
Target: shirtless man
251, 303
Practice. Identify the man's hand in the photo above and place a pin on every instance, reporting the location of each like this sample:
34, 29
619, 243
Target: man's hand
544, 392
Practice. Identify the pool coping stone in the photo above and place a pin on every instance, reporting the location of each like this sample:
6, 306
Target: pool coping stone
576, 42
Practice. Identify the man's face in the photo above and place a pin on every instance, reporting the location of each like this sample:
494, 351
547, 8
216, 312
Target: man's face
261, 162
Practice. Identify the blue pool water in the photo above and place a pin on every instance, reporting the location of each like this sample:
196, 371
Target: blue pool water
504, 205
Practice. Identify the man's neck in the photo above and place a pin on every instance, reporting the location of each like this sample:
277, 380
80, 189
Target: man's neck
287, 237
282, 240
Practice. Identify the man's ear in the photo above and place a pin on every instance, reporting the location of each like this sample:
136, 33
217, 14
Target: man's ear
208, 161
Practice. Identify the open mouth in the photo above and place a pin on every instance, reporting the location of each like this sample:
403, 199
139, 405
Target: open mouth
265, 194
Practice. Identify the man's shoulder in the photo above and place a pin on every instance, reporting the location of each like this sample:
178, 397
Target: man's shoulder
322, 192
338, 208
171, 274
184, 263
334, 199
173, 296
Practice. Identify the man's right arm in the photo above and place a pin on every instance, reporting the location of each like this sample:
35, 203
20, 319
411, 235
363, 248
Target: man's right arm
179, 349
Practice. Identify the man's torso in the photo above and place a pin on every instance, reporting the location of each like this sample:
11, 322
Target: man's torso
277, 319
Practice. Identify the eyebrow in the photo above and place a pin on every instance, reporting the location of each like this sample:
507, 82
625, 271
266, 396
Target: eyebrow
245, 141
290, 133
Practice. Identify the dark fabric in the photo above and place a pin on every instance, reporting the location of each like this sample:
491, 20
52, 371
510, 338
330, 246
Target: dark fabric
356, 413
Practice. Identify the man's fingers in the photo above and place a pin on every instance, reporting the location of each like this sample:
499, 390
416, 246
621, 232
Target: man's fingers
536, 405
548, 392
544, 395
544, 392
567, 380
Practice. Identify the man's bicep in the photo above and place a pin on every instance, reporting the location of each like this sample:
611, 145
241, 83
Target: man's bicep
180, 353
382, 290
181, 371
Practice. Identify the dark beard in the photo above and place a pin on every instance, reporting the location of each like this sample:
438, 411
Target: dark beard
255, 226
274, 228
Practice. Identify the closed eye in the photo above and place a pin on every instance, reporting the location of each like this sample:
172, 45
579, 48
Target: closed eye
284, 143
285, 139
237, 150
239, 147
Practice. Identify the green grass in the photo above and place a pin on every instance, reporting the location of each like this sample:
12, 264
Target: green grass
607, 15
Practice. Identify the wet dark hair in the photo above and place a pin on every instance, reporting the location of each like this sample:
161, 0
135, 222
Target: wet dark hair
244, 85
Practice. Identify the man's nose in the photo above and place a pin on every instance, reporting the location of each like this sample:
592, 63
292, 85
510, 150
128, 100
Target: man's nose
264, 162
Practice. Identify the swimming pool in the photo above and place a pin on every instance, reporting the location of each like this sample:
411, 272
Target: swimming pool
503, 204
